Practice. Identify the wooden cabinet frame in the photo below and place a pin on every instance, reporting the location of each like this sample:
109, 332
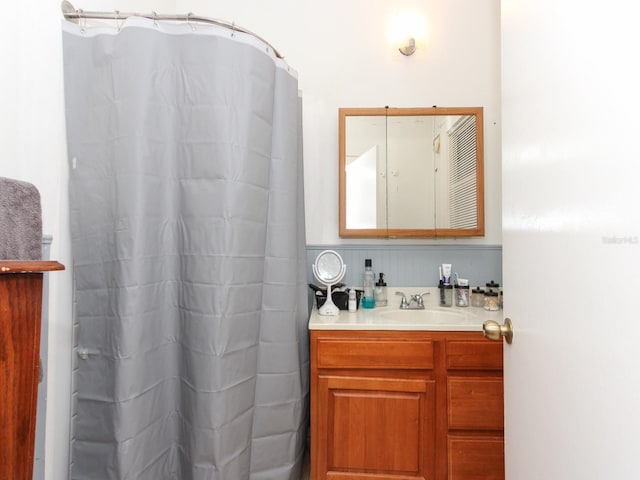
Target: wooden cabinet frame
411, 405
20, 315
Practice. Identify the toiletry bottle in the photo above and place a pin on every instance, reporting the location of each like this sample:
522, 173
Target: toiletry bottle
446, 273
380, 292
368, 281
353, 303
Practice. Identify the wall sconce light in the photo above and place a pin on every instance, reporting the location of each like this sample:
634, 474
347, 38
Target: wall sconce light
409, 48
406, 29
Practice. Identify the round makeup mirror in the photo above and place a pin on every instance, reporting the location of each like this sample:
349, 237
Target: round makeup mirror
329, 269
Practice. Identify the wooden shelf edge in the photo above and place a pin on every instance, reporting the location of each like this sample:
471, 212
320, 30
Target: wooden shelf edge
29, 266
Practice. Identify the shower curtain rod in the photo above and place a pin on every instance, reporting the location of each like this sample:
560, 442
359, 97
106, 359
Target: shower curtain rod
70, 13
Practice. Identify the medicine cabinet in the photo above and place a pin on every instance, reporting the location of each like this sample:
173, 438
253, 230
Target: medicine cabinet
411, 172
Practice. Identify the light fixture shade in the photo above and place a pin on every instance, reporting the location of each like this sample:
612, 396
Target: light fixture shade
406, 30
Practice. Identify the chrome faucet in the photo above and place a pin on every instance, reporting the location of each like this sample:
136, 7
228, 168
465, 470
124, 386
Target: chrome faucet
403, 303
417, 298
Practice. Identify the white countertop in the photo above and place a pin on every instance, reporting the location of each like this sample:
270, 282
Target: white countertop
433, 317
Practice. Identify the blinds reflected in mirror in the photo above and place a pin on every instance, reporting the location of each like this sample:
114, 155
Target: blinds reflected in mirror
463, 205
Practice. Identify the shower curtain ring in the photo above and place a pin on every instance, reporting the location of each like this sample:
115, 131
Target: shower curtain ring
117, 17
82, 20
193, 27
233, 29
154, 15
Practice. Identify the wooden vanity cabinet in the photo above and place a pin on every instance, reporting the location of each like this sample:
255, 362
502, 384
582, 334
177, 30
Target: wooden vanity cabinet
404, 405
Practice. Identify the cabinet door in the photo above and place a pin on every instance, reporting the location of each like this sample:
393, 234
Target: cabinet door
372, 427
475, 403
20, 311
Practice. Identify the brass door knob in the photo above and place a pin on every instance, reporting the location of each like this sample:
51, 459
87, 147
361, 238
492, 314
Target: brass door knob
493, 330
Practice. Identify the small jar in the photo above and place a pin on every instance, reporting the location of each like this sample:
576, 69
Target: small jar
446, 295
462, 295
477, 297
491, 300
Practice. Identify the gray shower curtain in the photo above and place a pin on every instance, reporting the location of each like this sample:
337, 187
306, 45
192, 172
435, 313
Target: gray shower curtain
187, 229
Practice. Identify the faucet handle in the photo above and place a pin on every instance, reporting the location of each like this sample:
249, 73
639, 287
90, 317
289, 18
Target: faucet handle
403, 303
418, 299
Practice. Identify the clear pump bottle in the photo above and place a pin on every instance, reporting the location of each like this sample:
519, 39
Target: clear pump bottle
380, 292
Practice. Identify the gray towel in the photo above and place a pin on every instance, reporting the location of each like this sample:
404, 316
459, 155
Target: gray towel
20, 221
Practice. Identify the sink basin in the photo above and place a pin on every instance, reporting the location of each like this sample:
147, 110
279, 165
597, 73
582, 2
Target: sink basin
432, 318
426, 316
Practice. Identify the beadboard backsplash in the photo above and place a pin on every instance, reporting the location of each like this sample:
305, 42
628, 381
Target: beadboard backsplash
415, 265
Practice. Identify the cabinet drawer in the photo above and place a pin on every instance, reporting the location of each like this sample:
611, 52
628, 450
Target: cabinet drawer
476, 458
474, 355
374, 353
475, 403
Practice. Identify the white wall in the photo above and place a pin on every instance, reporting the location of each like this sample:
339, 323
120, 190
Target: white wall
343, 58
341, 53
32, 148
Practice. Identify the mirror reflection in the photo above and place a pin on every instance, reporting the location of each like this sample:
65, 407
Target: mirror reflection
411, 172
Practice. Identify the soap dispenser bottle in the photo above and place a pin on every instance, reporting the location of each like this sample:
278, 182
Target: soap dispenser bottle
380, 292
368, 281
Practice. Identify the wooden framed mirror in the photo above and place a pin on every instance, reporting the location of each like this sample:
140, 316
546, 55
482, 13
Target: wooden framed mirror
411, 172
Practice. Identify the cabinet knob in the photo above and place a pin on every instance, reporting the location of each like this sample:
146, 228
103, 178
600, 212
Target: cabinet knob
494, 331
